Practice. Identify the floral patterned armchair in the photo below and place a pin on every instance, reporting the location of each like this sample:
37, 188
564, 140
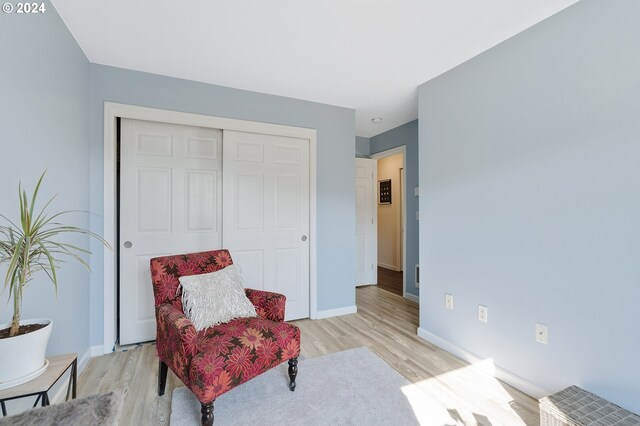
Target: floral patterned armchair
219, 358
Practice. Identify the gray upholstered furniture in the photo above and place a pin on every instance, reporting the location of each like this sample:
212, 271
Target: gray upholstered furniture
574, 406
102, 410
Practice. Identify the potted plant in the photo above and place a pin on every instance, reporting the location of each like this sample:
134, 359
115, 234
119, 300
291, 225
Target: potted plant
31, 246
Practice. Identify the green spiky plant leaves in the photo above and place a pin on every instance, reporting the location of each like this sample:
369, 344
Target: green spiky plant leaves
33, 245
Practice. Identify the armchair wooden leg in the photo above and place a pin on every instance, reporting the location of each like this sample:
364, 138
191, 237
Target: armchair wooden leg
207, 414
162, 377
293, 372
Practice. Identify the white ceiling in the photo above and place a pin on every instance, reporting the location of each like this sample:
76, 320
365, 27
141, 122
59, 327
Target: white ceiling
369, 55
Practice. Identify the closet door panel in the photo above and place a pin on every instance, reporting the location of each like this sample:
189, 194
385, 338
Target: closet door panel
170, 203
266, 213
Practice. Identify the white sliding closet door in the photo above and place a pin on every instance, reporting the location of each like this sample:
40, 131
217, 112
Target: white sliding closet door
170, 202
266, 213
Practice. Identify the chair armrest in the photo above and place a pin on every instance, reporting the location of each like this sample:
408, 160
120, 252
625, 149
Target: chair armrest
176, 340
268, 305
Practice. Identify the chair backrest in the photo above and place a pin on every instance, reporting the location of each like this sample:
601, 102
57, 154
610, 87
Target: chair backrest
166, 270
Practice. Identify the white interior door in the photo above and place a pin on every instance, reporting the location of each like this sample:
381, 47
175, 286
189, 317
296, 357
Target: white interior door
366, 246
170, 202
266, 214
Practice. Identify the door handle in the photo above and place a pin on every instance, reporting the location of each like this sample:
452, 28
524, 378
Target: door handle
128, 244
304, 238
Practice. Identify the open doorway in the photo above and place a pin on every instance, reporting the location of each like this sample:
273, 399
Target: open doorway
381, 243
390, 224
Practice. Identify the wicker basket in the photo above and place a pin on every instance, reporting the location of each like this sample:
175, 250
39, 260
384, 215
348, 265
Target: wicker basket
576, 407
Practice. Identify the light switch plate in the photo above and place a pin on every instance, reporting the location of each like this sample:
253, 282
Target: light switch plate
416, 191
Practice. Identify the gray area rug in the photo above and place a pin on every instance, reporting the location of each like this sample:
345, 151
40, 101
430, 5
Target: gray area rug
353, 387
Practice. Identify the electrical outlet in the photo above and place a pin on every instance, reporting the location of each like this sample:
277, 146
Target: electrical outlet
483, 313
542, 334
416, 191
448, 301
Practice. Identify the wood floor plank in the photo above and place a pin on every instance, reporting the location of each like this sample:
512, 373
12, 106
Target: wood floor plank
457, 393
390, 280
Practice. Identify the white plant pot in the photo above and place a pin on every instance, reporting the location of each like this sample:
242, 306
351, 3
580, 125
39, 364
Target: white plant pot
22, 357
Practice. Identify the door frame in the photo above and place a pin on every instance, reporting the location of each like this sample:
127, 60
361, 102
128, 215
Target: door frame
402, 149
112, 111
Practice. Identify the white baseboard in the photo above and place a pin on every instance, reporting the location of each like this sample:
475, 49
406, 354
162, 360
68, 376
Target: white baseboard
392, 267
337, 312
411, 297
84, 360
499, 373
62, 385
97, 350
61, 393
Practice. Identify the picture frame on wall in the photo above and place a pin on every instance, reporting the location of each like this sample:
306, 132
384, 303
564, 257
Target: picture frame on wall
384, 191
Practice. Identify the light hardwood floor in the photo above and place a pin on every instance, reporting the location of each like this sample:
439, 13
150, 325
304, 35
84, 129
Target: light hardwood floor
449, 389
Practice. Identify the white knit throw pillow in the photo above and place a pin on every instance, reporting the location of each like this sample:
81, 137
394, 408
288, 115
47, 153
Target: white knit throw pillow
213, 298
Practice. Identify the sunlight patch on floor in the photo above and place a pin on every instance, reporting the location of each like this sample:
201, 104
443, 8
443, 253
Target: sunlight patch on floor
436, 401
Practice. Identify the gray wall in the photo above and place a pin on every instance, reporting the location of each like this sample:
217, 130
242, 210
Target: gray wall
44, 93
530, 178
362, 147
407, 134
335, 166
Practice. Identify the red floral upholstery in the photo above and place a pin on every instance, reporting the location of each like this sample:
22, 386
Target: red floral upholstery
217, 359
